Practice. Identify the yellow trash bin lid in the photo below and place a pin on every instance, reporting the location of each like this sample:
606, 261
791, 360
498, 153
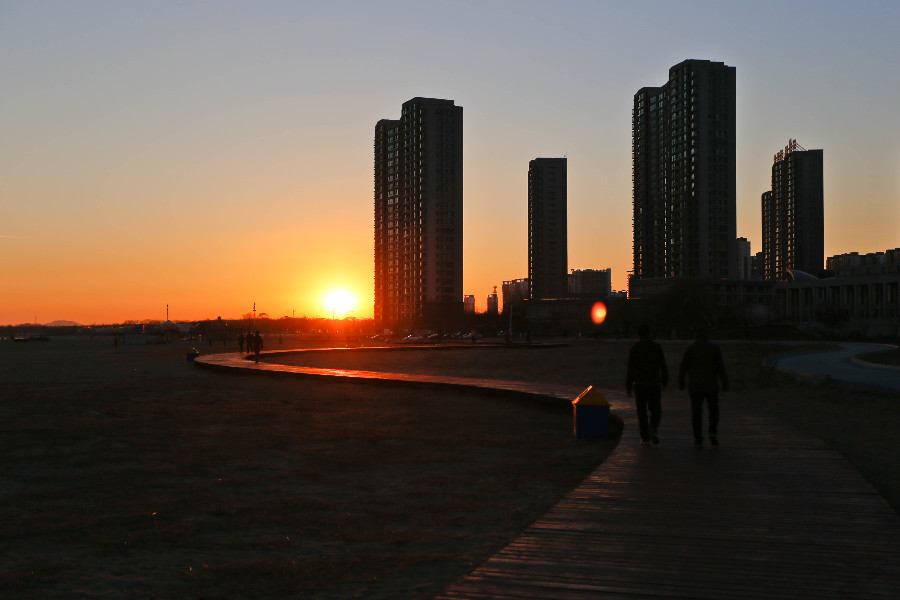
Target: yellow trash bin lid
590, 397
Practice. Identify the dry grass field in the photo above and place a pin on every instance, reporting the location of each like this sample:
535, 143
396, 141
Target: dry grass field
127, 472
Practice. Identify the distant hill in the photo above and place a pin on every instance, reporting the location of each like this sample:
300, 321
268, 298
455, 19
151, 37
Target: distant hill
62, 324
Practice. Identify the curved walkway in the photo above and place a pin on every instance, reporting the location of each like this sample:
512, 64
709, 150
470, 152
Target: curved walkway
843, 366
772, 513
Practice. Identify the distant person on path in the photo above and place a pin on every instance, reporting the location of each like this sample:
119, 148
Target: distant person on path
703, 368
241, 343
257, 345
647, 375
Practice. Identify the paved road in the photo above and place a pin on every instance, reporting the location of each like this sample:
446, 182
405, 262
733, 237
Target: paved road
841, 366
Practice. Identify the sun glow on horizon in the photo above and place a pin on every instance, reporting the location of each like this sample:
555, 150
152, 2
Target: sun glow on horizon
340, 302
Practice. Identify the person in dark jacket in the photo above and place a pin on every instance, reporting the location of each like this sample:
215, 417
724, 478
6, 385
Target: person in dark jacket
256, 341
703, 368
647, 375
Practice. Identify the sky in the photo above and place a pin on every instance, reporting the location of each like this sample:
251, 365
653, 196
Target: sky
212, 155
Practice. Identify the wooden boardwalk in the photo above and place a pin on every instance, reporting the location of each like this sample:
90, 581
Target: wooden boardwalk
240, 362
772, 513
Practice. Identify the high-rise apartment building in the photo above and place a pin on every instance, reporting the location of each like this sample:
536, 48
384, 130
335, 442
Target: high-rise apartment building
683, 161
419, 215
547, 230
792, 215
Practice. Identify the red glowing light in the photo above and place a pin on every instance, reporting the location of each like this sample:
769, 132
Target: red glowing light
598, 313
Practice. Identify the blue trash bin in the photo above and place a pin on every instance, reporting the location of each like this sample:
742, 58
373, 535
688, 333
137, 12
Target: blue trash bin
591, 415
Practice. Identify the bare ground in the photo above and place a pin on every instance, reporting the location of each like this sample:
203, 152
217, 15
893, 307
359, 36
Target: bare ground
127, 472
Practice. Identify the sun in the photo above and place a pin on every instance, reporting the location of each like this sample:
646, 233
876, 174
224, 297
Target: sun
339, 302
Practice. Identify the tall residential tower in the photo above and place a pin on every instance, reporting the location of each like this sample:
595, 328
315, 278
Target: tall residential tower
547, 231
683, 161
793, 221
419, 216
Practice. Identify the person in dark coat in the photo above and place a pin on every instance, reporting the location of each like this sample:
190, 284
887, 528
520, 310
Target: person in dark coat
257, 345
647, 375
702, 368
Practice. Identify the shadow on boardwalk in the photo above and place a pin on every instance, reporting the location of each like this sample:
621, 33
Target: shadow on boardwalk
772, 513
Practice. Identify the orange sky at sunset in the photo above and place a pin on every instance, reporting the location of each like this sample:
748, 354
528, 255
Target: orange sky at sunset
212, 155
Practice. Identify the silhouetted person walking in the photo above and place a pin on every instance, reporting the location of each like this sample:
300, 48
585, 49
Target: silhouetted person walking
647, 375
257, 344
702, 366
241, 343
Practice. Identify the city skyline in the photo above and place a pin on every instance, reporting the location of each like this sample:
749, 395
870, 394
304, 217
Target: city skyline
207, 157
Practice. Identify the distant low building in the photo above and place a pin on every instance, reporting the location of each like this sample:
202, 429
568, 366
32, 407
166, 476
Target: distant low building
493, 307
860, 298
721, 292
745, 262
574, 316
515, 291
845, 263
590, 282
